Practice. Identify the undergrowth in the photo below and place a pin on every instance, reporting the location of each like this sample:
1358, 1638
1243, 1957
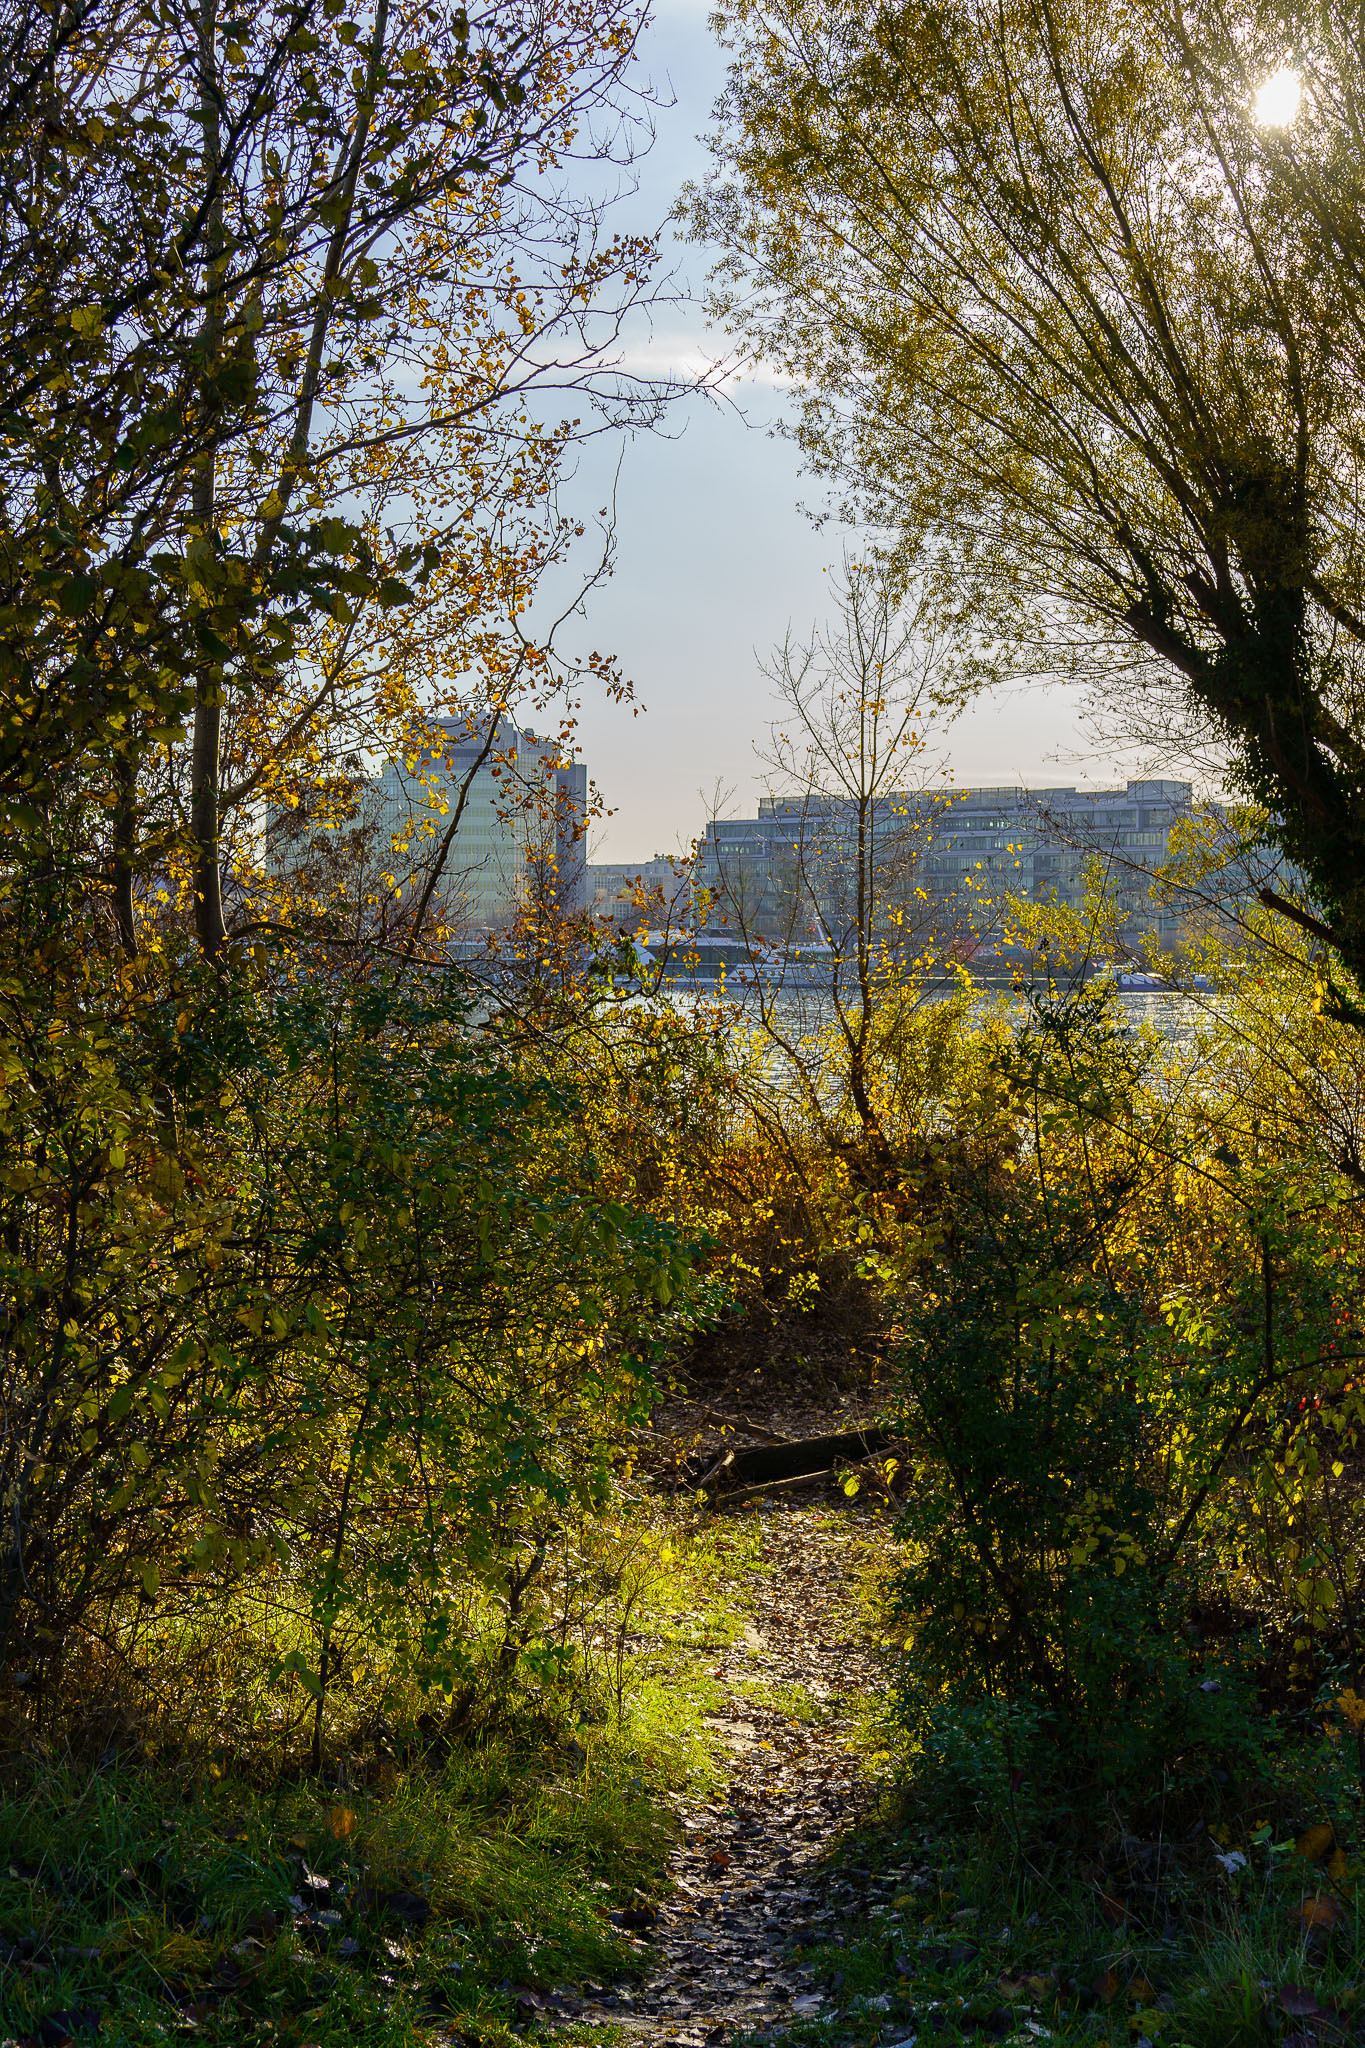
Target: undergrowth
413, 1895
1247, 1933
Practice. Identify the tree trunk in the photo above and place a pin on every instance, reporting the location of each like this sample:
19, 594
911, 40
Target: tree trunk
208, 697
125, 839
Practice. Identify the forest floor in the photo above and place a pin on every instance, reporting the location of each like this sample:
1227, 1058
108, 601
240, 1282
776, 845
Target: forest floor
813, 1902
740, 1856
818, 1899
749, 1882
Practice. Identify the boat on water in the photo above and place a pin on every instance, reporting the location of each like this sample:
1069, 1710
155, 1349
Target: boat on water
1141, 981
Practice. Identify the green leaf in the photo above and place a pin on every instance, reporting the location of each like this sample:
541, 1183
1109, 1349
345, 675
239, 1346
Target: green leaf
77, 595
294, 1666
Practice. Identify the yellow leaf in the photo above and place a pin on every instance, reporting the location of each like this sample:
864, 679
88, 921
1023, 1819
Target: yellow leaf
341, 1820
1314, 1843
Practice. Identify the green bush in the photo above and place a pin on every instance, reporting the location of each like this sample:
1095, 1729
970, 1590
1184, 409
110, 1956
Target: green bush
312, 1293
1090, 1362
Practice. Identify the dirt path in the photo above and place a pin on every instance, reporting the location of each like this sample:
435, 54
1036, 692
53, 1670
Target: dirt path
748, 1878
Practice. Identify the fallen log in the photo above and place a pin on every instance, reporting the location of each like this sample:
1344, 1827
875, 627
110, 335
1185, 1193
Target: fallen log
753, 1487
733, 1468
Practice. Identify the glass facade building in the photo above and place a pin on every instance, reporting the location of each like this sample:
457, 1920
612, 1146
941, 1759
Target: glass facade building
779, 874
517, 806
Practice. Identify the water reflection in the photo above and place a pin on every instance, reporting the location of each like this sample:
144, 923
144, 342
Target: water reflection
806, 1013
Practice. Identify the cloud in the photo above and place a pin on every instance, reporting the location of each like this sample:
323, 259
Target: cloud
695, 359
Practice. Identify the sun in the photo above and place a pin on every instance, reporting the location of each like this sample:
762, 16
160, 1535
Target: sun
1277, 102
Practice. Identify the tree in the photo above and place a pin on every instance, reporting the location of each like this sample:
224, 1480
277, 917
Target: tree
365, 1324
284, 296
844, 897
1088, 334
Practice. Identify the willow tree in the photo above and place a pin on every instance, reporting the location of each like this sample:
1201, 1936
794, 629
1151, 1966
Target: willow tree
1078, 308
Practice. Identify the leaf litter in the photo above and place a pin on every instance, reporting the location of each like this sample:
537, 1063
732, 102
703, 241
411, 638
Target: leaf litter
750, 1883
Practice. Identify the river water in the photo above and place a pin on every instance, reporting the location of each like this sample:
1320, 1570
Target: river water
804, 1013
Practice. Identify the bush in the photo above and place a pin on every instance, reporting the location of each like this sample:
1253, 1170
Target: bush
1096, 1355
313, 1294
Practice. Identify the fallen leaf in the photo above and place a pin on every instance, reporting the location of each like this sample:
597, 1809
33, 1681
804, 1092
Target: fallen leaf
341, 1820
1316, 1915
635, 1919
1298, 2003
1113, 1910
408, 1907
1142, 1992
76, 2020
1106, 1987
1314, 1843
1337, 1866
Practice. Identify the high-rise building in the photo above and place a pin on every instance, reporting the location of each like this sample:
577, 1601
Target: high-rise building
510, 805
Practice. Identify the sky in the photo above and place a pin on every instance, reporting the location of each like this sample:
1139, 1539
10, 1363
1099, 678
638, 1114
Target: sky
715, 557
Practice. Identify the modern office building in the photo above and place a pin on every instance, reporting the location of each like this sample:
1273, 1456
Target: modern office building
783, 875
1043, 844
518, 810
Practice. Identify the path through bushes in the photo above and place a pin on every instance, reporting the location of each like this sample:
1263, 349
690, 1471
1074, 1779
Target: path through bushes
751, 1882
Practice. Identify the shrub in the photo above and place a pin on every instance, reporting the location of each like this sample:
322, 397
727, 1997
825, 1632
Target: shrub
312, 1292
1092, 1355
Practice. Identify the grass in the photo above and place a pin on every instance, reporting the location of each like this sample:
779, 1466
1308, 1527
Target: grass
416, 1903
964, 1930
1240, 1931
281, 1916
960, 1938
